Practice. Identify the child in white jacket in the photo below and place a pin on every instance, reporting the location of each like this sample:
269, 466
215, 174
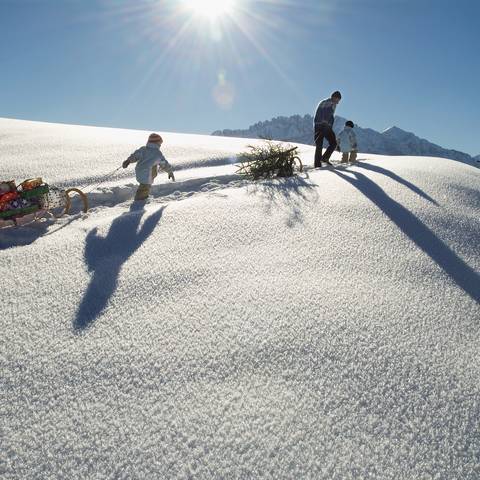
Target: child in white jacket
148, 160
347, 143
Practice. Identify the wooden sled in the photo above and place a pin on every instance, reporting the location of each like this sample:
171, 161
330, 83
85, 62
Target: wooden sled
35, 200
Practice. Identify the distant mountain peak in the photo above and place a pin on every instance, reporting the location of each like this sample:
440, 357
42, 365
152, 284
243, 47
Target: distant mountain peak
394, 129
398, 134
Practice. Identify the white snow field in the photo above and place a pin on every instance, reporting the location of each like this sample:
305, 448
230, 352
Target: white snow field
325, 326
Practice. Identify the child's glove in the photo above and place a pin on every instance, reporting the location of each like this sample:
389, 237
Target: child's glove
125, 164
171, 176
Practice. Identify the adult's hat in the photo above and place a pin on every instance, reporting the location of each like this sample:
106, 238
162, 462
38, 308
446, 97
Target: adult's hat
155, 138
349, 123
337, 94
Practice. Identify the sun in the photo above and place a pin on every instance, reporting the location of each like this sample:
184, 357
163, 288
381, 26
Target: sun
210, 9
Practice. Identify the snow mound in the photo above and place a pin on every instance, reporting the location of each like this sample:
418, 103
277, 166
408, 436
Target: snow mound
320, 327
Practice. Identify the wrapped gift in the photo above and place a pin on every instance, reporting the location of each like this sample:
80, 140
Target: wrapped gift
18, 203
6, 199
35, 192
18, 212
6, 187
31, 183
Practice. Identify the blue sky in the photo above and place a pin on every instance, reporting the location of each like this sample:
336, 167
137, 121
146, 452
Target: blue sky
157, 65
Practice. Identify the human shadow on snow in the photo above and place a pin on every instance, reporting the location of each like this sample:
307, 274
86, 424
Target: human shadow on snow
105, 257
397, 178
459, 271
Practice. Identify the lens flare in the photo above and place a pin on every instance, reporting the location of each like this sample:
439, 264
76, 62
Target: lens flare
224, 91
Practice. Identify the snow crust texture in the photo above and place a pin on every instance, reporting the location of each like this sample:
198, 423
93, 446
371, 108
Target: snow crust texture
321, 327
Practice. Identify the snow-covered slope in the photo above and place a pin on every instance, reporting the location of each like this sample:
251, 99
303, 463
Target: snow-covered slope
477, 158
321, 327
393, 141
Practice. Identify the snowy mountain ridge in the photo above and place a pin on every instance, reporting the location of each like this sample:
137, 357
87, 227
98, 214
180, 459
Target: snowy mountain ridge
392, 141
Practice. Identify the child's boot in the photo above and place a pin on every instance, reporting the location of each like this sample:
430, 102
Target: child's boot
143, 191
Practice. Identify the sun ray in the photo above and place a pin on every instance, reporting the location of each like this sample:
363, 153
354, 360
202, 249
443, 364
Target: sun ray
184, 40
161, 58
264, 53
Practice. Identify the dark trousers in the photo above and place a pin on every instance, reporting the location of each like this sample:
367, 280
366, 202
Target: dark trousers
324, 131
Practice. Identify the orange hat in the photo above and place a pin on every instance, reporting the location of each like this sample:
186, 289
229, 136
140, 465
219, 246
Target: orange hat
155, 138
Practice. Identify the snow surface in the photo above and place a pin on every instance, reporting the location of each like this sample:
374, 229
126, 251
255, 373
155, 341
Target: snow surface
321, 327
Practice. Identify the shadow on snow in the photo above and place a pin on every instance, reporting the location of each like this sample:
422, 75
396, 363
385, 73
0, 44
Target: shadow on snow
394, 176
105, 257
460, 272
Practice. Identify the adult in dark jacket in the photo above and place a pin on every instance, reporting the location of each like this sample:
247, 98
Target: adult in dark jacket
323, 126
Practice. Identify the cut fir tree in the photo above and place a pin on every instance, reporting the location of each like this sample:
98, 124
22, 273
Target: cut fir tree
268, 160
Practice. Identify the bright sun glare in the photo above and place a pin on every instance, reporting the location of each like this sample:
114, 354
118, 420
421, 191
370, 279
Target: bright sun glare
211, 9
